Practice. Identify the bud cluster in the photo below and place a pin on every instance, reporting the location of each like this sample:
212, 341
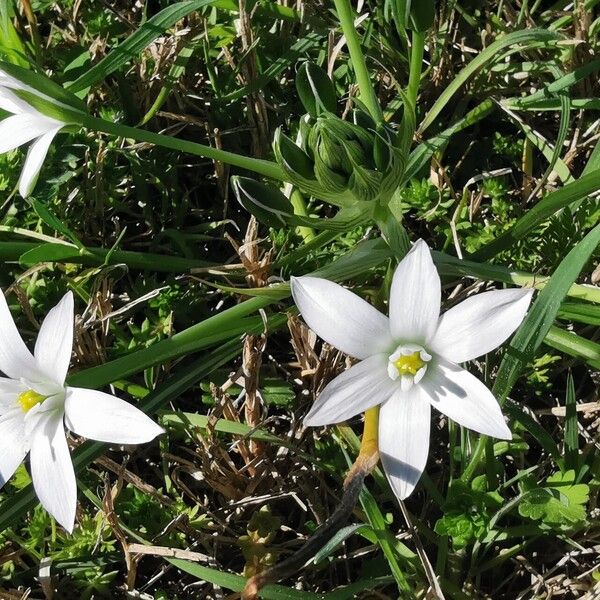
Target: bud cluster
340, 161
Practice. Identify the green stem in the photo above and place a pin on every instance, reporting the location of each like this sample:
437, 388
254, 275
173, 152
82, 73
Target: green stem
297, 200
476, 457
416, 63
262, 167
367, 92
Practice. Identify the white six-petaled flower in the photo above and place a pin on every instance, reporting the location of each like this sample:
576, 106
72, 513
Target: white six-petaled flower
35, 405
24, 125
409, 361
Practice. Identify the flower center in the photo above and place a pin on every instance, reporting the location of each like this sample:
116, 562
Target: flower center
409, 363
29, 399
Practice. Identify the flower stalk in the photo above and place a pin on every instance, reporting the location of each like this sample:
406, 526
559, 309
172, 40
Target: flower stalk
367, 92
262, 167
368, 455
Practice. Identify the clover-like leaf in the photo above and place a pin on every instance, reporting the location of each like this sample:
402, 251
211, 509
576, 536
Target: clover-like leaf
559, 504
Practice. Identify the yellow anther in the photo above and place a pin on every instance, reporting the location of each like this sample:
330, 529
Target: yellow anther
409, 364
29, 399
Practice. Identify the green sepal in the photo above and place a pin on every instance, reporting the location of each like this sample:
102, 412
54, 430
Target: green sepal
265, 202
42, 84
331, 181
291, 157
364, 183
50, 108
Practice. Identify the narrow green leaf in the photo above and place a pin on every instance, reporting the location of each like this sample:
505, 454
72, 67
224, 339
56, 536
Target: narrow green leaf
48, 253
341, 536
574, 345
236, 583
493, 53
384, 537
153, 28
533, 428
541, 212
542, 314
535, 327
44, 213
303, 45
571, 427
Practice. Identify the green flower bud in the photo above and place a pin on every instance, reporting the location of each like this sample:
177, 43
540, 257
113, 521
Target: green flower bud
341, 161
266, 203
292, 158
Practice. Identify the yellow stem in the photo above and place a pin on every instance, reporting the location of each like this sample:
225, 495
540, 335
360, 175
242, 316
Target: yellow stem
368, 455
369, 443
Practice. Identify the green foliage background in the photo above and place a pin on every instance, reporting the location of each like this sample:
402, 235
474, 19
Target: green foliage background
498, 130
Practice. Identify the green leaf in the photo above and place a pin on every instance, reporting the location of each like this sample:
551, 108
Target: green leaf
580, 312
48, 253
560, 504
315, 89
152, 29
341, 536
54, 222
299, 48
574, 345
493, 53
11, 46
533, 428
536, 326
541, 212
571, 427
542, 314
385, 539
236, 583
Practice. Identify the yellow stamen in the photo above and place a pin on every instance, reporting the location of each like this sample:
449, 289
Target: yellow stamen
29, 399
409, 364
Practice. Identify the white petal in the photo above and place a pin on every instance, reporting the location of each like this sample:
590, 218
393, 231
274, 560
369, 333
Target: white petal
12, 443
404, 423
103, 417
11, 103
465, 399
9, 392
52, 470
480, 324
341, 318
415, 296
15, 359
12, 82
17, 130
34, 161
362, 386
54, 343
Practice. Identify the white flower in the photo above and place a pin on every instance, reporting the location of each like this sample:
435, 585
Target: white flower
409, 361
34, 403
24, 125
